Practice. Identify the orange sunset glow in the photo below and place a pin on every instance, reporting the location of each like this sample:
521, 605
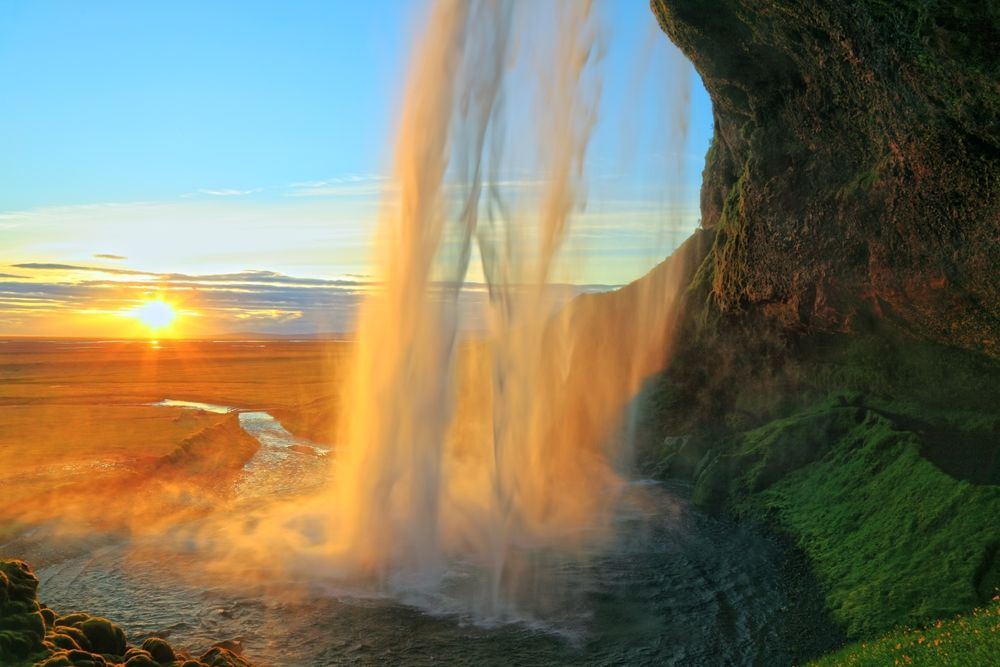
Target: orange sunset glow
473, 333
155, 314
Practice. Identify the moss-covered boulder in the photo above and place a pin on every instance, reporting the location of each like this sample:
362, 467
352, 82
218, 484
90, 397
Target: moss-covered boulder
88, 634
159, 650
139, 658
22, 626
219, 656
69, 637
34, 635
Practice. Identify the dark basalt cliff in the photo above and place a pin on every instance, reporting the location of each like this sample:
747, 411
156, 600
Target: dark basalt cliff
855, 169
835, 367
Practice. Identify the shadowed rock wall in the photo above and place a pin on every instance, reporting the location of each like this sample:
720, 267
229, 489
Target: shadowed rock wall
855, 168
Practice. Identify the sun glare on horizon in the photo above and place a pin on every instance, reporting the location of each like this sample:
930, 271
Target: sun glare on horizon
155, 314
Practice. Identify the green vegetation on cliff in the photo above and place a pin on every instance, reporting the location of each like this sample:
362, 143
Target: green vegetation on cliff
969, 639
892, 538
836, 372
878, 454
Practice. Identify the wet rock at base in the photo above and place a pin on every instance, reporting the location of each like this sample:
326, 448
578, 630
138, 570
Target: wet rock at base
22, 626
31, 634
159, 650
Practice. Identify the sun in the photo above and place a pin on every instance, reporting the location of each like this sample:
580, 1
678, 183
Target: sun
155, 314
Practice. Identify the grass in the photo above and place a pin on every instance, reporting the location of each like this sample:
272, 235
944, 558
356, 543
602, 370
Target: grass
878, 454
892, 538
966, 639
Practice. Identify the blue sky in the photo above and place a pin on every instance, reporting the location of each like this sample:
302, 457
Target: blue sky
119, 101
210, 138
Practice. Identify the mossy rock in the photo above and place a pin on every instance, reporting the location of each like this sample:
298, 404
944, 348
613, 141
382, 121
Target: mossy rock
64, 641
140, 659
75, 633
22, 626
79, 639
218, 656
15, 644
104, 636
159, 650
49, 616
72, 620
74, 658
58, 659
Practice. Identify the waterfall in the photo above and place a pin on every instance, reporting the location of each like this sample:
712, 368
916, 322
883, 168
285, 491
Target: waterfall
492, 454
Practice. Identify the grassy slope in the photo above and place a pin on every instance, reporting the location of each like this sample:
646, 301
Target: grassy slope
892, 538
877, 454
969, 639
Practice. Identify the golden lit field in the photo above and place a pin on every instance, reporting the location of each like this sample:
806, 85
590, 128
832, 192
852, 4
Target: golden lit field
75, 417
279, 375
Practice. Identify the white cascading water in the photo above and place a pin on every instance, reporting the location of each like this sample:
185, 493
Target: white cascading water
479, 455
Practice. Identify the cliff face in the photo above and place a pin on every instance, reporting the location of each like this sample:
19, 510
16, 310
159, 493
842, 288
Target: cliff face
838, 356
855, 169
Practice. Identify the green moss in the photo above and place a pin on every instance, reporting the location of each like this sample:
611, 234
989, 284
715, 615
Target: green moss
22, 626
140, 658
876, 452
159, 649
74, 634
966, 639
729, 270
861, 183
34, 635
891, 537
755, 460
104, 636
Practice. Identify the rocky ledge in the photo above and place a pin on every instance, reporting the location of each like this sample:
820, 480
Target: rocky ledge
33, 634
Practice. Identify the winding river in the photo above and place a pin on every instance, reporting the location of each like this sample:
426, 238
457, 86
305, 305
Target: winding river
675, 587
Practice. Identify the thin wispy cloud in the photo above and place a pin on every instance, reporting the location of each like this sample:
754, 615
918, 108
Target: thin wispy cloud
352, 185
314, 237
50, 266
248, 277
227, 192
267, 301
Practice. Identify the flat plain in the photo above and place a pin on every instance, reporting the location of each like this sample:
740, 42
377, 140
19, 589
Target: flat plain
79, 431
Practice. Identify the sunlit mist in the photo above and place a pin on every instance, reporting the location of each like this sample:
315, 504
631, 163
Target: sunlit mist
423, 395
486, 453
498, 332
